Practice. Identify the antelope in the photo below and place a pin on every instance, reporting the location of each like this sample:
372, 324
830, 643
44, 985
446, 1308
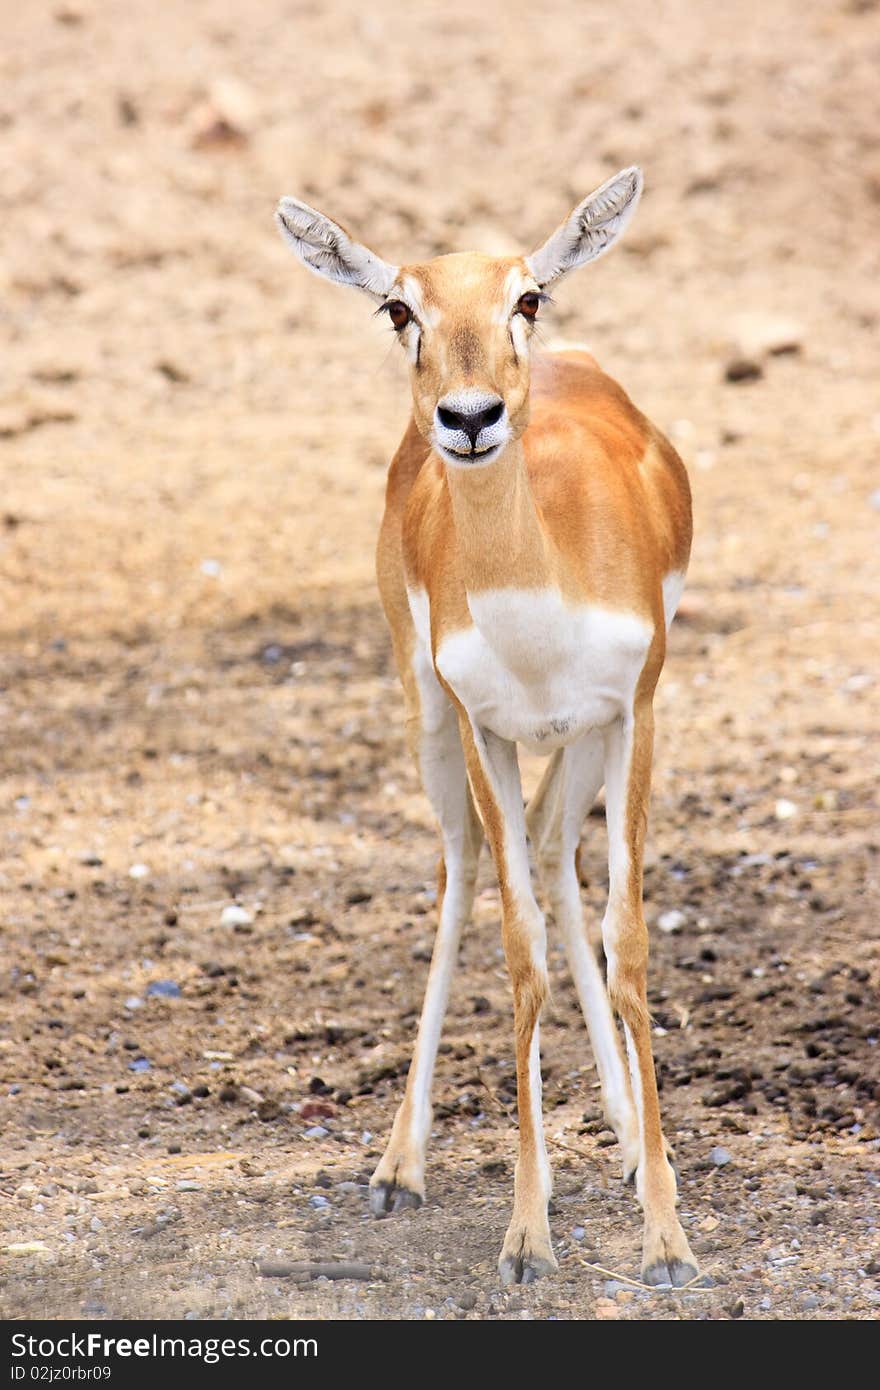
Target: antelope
536, 534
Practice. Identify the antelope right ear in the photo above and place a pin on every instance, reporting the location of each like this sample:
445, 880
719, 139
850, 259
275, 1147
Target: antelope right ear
590, 230
326, 249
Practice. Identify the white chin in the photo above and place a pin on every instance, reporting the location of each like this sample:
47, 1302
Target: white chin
469, 460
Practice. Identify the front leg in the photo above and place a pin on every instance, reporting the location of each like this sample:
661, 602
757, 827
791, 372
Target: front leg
399, 1179
494, 773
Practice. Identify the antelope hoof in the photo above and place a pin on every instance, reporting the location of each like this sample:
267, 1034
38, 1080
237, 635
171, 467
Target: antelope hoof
674, 1273
520, 1263
390, 1198
667, 1259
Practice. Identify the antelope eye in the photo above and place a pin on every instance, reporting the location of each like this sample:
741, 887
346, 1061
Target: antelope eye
529, 305
399, 314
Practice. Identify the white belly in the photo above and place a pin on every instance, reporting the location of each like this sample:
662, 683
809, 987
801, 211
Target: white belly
537, 670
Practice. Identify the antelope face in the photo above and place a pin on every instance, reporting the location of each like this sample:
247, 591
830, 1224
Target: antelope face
465, 321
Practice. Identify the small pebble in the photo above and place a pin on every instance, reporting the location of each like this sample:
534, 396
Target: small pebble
578, 1233
318, 1201
317, 1132
165, 989
720, 1156
235, 916
189, 1185
134, 1002
139, 1064
467, 1300
139, 871
250, 1096
784, 810
743, 369
671, 921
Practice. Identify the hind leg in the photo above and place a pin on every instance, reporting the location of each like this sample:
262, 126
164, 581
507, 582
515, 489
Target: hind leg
555, 817
666, 1256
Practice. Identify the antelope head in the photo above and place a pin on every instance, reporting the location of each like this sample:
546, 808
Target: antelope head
465, 321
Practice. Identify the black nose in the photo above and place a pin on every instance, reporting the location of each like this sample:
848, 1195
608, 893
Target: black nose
471, 422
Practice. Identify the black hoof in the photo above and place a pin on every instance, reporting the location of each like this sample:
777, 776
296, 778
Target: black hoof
629, 1178
386, 1198
524, 1269
669, 1274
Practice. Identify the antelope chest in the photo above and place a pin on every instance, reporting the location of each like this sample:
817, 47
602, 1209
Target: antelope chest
537, 669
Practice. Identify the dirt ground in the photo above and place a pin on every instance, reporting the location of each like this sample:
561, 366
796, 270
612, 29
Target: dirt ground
199, 707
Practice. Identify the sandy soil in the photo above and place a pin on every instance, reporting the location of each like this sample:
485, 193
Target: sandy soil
199, 708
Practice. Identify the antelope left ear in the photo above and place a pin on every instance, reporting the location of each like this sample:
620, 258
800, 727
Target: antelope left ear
590, 230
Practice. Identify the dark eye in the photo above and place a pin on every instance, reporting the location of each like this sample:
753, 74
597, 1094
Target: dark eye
399, 314
529, 305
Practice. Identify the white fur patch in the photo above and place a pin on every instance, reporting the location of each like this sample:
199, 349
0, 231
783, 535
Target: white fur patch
420, 609
539, 671
519, 334
545, 1177
673, 587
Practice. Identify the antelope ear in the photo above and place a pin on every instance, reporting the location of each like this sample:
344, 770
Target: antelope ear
326, 248
590, 230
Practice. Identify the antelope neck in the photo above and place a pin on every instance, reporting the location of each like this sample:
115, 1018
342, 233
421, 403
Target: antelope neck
500, 537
